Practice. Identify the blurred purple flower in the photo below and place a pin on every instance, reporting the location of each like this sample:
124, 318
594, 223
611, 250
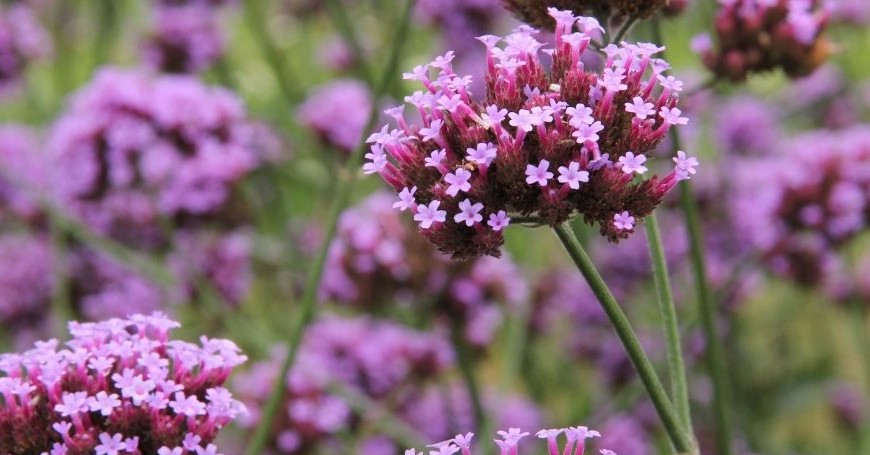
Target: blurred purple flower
22, 39
185, 39
338, 112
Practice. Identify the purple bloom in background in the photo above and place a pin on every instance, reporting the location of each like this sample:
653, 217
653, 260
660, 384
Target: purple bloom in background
157, 393
338, 112
220, 259
26, 285
443, 410
626, 434
134, 148
376, 259
797, 206
22, 39
746, 125
102, 287
184, 39
855, 12
22, 174
459, 21
762, 35
382, 361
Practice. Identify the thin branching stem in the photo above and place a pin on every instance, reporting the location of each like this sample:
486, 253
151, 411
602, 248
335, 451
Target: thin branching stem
665, 298
715, 355
315, 273
681, 440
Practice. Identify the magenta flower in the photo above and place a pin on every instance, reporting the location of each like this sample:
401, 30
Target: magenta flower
509, 440
593, 128
100, 359
623, 221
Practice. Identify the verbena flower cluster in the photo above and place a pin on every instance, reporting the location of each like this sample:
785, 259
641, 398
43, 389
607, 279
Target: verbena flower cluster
338, 112
377, 259
796, 207
761, 35
118, 386
536, 12
135, 155
381, 361
186, 38
473, 165
22, 40
133, 149
508, 442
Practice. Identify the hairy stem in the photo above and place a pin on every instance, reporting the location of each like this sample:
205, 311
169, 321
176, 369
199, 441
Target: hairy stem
665, 298
681, 440
714, 354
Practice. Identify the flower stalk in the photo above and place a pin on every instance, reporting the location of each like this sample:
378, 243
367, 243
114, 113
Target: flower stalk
665, 299
681, 440
315, 273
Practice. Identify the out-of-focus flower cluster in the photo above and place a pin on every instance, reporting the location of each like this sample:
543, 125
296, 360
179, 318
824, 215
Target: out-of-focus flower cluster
142, 155
799, 205
376, 259
22, 40
380, 360
391, 365
761, 35
472, 165
186, 36
338, 112
117, 386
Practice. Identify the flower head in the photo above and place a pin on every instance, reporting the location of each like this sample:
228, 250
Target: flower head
566, 119
45, 409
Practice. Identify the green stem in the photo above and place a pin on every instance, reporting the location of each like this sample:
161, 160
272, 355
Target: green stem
348, 34
315, 273
681, 440
257, 24
858, 317
714, 354
665, 298
466, 367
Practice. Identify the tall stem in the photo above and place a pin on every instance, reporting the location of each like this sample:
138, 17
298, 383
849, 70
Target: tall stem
315, 273
257, 24
466, 367
858, 317
715, 356
665, 298
680, 439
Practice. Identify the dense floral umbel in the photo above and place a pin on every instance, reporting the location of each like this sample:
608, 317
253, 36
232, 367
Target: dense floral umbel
509, 441
22, 40
762, 35
797, 206
117, 386
185, 39
535, 12
338, 112
382, 361
544, 144
377, 259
